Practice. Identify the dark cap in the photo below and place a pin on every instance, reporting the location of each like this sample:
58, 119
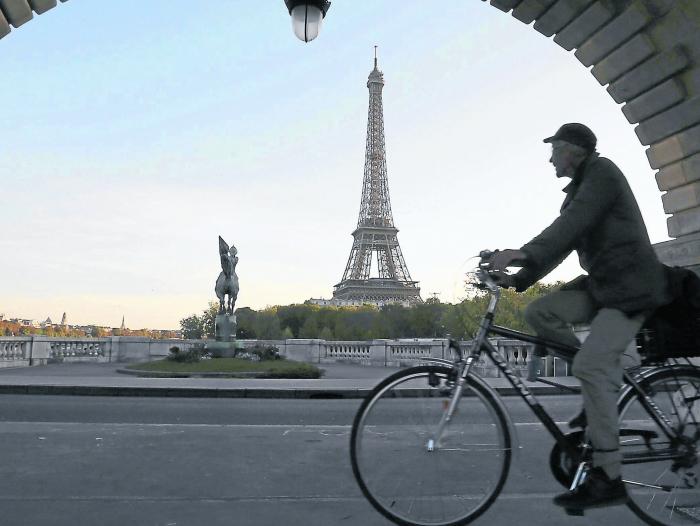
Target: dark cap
577, 134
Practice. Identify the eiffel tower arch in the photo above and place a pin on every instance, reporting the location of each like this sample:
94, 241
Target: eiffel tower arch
375, 238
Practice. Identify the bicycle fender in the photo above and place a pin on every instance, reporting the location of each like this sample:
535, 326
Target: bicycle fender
651, 373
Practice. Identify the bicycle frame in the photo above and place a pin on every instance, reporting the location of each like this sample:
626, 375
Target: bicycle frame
481, 345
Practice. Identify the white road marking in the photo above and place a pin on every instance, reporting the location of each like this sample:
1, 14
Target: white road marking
289, 498
235, 426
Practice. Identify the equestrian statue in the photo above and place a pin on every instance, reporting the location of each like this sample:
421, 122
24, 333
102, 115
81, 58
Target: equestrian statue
227, 282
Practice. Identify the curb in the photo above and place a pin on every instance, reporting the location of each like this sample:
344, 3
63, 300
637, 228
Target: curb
198, 392
157, 374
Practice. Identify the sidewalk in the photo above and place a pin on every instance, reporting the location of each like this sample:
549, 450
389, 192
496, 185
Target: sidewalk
338, 381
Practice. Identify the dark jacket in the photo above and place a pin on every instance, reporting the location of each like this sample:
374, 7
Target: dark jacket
601, 221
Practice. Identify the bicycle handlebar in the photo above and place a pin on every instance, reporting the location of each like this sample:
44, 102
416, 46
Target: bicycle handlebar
484, 272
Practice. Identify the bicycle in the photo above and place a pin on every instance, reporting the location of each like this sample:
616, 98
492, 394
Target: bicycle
432, 445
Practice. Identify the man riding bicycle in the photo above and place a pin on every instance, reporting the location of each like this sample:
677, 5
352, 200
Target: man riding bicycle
601, 221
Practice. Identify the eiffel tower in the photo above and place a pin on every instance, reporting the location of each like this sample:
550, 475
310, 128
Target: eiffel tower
375, 235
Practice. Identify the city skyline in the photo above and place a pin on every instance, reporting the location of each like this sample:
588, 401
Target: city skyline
131, 147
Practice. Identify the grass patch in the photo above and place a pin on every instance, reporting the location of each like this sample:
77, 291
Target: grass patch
268, 369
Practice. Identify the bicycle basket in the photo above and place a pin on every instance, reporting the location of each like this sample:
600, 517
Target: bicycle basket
658, 340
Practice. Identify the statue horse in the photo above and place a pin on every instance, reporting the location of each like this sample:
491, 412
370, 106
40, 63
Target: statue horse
227, 282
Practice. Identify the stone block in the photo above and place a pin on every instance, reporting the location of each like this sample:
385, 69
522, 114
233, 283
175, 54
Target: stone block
4, 26
654, 101
684, 223
681, 252
648, 74
624, 58
690, 78
130, 349
17, 12
661, 7
41, 6
505, 5
692, 47
223, 349
674, 148
671, 121
618, 31
560, 15
585, 25
529, 10
679, 174
303, 350
673, 29
681, 198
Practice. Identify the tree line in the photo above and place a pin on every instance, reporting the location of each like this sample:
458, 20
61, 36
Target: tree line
431, 319
11, 328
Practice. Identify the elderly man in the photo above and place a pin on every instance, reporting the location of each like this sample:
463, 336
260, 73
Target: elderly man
600, 220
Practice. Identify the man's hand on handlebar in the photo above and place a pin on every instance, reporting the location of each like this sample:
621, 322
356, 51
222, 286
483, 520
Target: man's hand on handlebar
501, 259
496, 263
502, 279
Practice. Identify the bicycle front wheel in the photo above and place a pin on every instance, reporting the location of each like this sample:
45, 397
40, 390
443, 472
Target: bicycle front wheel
408, 475
663, 492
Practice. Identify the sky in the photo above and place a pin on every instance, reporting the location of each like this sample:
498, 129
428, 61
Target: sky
135, 133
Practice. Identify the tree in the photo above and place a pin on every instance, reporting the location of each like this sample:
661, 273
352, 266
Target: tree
326, 334
431, 319
267, 325
192, 327
310, 328
209, 319
245, 323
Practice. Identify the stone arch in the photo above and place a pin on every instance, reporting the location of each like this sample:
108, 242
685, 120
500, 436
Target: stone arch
17, 12
645, 51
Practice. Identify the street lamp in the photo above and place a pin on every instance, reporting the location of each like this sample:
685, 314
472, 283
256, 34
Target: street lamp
307, 17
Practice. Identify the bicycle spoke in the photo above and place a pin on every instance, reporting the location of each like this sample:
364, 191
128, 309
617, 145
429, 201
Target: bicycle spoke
664, 490
454, 482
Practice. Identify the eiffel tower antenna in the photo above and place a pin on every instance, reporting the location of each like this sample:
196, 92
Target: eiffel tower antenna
375, 235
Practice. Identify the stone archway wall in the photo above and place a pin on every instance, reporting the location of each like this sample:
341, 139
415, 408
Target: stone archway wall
16, 12
645, 51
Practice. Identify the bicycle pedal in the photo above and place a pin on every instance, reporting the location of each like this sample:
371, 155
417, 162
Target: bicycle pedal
574, 513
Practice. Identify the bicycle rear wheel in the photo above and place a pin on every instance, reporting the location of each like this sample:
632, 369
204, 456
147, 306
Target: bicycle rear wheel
402, 477
664, 492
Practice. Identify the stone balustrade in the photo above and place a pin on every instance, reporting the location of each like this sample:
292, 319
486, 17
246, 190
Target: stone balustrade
347, 350
72, 350
39, 350
13, 353
408, 351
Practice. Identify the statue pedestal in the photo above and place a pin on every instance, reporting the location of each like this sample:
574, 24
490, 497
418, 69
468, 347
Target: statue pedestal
225, 327
223, 349
225, 334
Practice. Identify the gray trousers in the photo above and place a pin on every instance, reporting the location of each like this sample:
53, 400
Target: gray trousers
598, 365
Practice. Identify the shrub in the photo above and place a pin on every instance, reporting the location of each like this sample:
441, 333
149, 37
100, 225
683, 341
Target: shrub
192, 355
261, 353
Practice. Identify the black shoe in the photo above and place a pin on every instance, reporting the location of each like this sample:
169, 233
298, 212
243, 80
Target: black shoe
596, 491
579, 420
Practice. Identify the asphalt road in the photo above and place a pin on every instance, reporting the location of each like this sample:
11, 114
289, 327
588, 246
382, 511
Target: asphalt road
184, 461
